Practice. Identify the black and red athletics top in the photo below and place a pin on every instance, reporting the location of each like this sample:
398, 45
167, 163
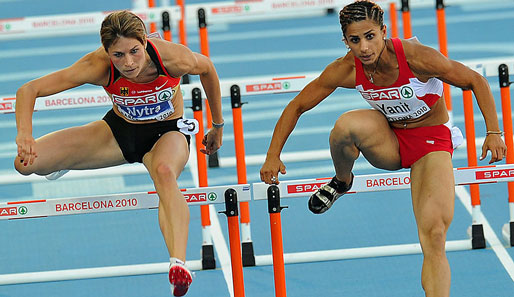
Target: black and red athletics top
154, 100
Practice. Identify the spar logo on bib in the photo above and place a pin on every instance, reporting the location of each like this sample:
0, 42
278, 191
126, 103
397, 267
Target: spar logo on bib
394, 93
166, 95
406, 92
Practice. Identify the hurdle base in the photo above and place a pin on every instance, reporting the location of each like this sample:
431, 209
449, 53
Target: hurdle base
477, 237
508, 233
248, 254
208, 261
511, 233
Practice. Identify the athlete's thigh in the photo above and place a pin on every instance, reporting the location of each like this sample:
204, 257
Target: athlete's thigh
84, 147
433, 189
171, 149
374, 138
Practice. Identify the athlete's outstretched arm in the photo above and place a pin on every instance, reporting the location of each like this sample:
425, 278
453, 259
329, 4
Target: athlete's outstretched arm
91, 68
315, 92
429, 62
179, 60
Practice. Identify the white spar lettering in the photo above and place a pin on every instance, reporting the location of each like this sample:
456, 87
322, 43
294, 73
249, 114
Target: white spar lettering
497, 174
264, 87
307, 188
382, 95
195, 197
135, 100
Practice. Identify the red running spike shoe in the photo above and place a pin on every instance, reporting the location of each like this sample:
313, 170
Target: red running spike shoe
180, 279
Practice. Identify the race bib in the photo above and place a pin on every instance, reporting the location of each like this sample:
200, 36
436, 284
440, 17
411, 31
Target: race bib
156, 105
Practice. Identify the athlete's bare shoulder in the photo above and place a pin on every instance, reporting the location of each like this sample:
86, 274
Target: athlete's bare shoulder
96, 64
341, 72
177, 58
424, 61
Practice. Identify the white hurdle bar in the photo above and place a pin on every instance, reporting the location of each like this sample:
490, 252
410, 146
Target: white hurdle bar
118, 202
106, 203
388, 181
373, 183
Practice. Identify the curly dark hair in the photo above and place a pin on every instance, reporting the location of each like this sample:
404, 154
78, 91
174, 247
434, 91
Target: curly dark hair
360, 11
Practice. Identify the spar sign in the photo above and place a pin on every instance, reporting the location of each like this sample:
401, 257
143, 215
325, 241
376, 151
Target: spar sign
494, 174
7, 105
304, 187
268, 87
265, 87
230, 9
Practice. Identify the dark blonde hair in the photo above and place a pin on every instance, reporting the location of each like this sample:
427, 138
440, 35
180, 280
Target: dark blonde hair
360, 11
121, 24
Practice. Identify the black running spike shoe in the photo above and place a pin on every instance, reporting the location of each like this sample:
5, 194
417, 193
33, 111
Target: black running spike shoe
327, 194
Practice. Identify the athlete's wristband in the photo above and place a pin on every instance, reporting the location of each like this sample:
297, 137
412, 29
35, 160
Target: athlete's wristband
218, 126
494, 132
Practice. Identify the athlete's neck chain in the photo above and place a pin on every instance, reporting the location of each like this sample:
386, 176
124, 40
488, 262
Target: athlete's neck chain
376, 64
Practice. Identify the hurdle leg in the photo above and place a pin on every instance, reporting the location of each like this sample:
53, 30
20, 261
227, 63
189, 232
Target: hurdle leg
182, 23
477, 230
274, 209
443, 48
393, 18
166, 26
204, 49
407, 28
247, 246
503, 72
235, 242
208, 261
153, 26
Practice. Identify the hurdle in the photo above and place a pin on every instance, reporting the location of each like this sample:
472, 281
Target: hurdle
443, 48
361, 183
41, 208
503, 73
509, 188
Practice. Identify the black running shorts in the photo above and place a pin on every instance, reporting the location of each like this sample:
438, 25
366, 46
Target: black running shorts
135, 140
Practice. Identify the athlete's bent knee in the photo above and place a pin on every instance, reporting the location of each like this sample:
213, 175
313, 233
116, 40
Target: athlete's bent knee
342, 129
164, 173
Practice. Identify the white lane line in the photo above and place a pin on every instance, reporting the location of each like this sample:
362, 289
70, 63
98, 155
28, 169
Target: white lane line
221, 248
48, 51
220, 245
25, 75
489, 234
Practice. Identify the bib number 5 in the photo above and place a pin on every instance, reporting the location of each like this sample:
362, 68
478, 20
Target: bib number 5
188, 126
